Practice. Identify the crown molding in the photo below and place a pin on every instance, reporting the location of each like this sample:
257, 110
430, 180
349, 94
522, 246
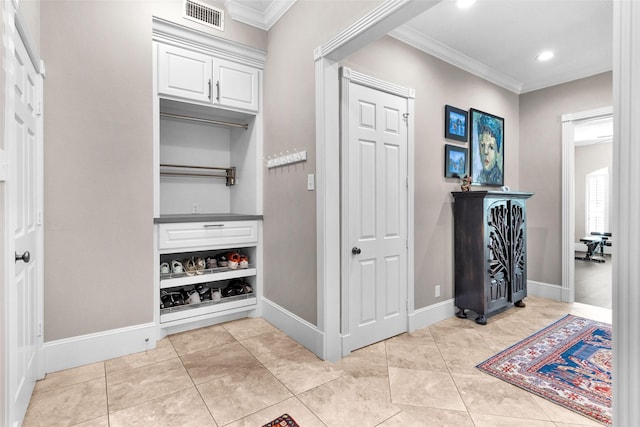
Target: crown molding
441, 51
264, 21
565, 78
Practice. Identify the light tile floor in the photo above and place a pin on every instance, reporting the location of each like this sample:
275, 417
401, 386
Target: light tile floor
247, 372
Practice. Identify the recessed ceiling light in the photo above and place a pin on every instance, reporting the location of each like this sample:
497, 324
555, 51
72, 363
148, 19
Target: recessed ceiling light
463, 4
545, 56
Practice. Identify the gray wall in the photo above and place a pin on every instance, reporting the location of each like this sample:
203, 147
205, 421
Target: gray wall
98, 160
289, 112
541, 165
588, 159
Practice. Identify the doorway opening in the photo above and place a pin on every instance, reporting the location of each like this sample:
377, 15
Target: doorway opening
587, 139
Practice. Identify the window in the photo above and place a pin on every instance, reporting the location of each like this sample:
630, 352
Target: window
597, 201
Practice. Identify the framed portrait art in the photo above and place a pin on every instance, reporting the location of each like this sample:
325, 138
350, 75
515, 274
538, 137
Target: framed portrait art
487, 148
455, 161
456, 123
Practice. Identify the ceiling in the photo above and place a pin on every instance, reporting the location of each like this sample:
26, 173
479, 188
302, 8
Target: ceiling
497, 40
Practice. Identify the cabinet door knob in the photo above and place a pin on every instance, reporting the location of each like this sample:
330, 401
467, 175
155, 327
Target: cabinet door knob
356, 251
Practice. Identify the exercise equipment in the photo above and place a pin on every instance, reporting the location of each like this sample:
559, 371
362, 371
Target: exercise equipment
595, 245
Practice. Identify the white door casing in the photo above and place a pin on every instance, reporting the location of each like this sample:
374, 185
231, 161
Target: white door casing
23, 225
375, 218
568, 196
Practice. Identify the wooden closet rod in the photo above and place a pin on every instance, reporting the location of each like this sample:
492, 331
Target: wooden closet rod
211, 121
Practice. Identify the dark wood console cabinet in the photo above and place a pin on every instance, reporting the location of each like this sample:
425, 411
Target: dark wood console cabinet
490, 236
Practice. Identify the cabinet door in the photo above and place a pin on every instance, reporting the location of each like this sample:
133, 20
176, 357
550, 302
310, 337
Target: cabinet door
184, 73
518, 240
236, 85
498, 258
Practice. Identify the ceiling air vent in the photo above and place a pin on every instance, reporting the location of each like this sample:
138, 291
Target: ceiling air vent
204, 14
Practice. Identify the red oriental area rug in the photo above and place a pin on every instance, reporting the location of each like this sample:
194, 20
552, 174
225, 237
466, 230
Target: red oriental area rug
568, 362
284, 420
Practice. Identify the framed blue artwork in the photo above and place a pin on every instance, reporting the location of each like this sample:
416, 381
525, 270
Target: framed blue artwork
456, 123
487, 148
455, 161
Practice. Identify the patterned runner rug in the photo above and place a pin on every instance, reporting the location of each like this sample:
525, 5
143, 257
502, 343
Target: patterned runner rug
568, 362
284, 420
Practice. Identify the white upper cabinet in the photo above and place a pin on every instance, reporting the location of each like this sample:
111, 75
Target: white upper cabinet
190, 75
236, 85
184, 73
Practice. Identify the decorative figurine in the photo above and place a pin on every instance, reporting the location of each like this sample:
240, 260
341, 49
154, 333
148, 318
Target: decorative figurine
466, 183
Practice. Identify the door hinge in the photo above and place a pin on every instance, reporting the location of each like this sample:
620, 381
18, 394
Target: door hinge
39, 331
39, 108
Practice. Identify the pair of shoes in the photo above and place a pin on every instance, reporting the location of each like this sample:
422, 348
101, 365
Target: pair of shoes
216, 295
171, 299
237, 287
165, 268
176, 266
211, 262
204, 292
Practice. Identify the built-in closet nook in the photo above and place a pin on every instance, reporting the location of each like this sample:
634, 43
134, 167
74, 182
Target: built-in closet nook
207, 178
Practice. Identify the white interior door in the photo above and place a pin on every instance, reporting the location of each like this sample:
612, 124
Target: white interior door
23, 302
377, 217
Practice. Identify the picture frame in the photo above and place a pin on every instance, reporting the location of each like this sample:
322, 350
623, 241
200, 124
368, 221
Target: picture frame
487, 145
456, 123
455, 161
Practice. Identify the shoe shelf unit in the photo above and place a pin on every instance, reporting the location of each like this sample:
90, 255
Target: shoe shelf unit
209, 279
207, 176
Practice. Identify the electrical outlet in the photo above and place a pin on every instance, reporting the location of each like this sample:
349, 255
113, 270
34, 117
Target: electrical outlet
437, 291
311, 182
196, 208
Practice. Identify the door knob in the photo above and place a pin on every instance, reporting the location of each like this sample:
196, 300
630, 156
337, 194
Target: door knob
356, 251
26, 257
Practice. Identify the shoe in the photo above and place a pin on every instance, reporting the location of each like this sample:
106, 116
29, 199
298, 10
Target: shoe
205, 292
164, 268
233, 259
212, 262
237, 286
189, 266
194, 297
222, 260
244, 261
200, 264
248, 289
228, 291
176, 266
216, 295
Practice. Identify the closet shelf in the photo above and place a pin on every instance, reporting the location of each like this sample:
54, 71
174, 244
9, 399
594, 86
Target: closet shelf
199, 171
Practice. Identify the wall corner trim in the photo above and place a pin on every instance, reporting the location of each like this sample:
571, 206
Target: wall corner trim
85, 349
294, 326
434, 313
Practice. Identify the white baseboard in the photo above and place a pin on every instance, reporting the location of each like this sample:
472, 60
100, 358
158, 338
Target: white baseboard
85, 349
545, 290
426, 316
296, 327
